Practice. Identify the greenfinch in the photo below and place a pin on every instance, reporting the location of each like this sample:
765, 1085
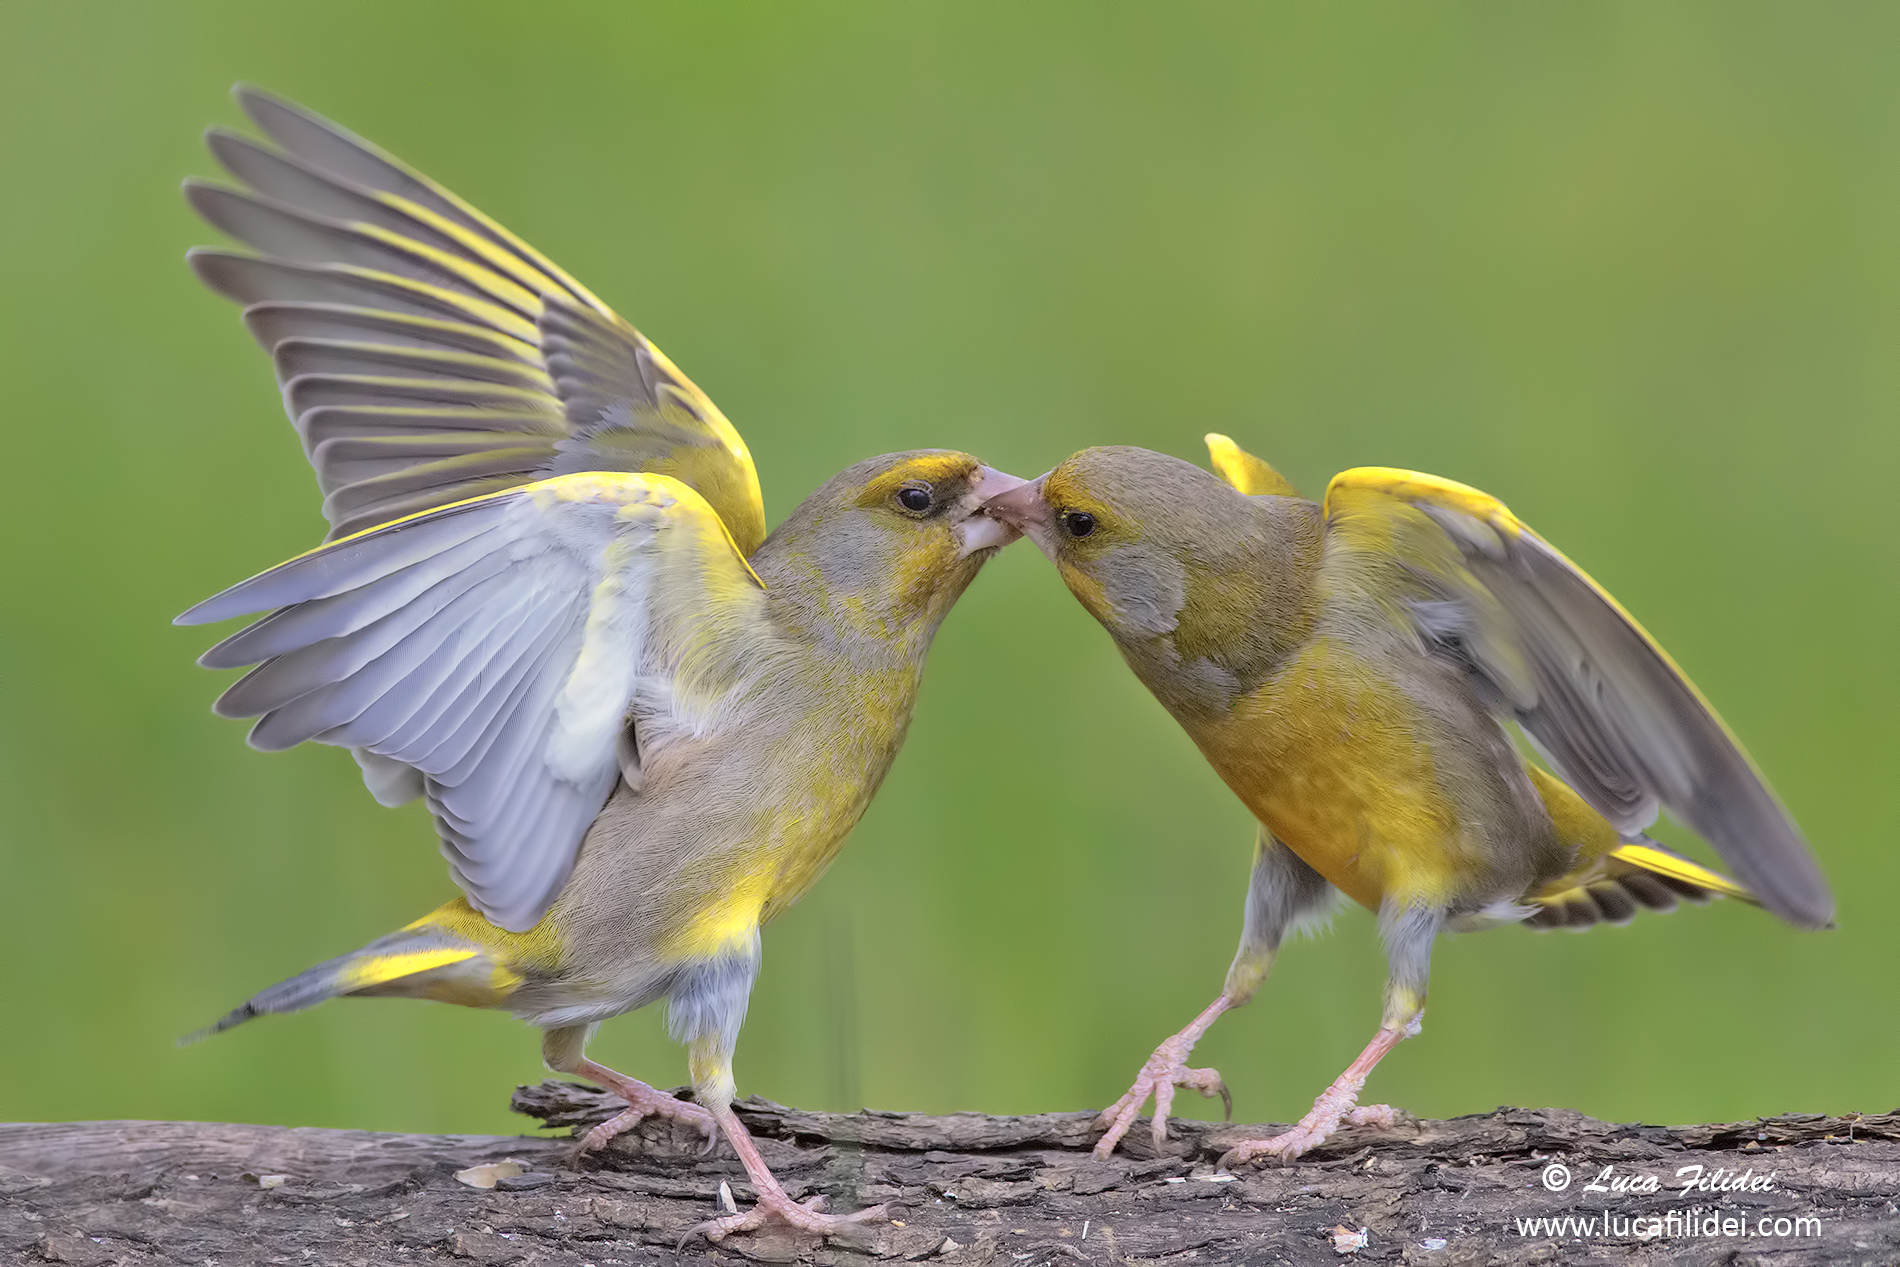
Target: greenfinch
1349, 669
548, 606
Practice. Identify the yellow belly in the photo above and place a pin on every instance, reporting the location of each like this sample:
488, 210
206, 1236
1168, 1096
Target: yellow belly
1336, 764
817, 785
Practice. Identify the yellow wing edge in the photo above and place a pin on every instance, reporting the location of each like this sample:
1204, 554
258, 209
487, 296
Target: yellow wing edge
1403, 485
626, 488
519, 277
1249, 474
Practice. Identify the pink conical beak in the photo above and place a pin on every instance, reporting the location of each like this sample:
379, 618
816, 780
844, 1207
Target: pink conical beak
1022, 506
980, 531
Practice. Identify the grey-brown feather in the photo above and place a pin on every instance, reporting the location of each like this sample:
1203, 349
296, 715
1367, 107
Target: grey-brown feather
1615, 898
1520, 636
407, 396
1270, 554
767, 776
1625, 729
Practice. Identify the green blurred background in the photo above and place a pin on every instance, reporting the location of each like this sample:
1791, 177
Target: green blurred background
1633, 267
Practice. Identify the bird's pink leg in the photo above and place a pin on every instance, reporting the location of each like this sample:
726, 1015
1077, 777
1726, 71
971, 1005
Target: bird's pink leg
643, 1102
773, 1205
1165, 1070
1336, 1106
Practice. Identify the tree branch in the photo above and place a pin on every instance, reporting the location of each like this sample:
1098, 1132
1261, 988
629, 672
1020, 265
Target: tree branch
965, 1188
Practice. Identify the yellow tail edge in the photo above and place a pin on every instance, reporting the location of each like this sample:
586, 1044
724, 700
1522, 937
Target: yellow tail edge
1632, 876
451, 955
1661, 862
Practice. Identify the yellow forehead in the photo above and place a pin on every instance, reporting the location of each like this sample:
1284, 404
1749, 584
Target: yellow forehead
930, 468
1065, 490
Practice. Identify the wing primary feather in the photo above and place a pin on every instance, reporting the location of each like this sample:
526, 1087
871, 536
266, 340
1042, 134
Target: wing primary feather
298, 355
371, 497
315, 391
346, 565
350, 461
347, 156
319, 424
251, 279
355, 518
329, 661
1607, 707
302, 624
273, 321
352, 675
288, 234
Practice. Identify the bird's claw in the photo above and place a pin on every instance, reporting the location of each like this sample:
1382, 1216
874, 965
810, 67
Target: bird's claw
1329, 1113
642, 1105
802, 1216
1165, 1070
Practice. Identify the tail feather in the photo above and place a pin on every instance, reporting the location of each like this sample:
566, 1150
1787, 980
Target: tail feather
433, 958
1639, 874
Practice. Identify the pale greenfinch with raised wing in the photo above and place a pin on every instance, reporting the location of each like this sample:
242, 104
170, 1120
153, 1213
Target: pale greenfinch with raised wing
550, 608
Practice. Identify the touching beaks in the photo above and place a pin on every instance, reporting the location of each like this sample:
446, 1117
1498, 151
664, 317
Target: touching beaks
1024, 511
979, 531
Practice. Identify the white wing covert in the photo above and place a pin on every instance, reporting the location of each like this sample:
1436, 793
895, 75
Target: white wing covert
496, 646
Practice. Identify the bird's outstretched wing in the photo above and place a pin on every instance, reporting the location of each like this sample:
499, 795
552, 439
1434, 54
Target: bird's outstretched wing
496, 645
1605, 704
426, 354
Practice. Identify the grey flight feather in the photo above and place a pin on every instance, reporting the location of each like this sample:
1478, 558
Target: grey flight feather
1614, 717
394, 311
496, 648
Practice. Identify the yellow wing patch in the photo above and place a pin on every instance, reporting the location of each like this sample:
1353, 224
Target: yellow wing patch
1251, 475
534, 277
1416, 486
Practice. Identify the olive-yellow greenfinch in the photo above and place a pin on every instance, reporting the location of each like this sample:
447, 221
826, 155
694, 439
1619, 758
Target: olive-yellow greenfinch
549, 607
1349, 669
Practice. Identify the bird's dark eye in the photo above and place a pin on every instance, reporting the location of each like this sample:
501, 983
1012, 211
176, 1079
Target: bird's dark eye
915, 498
1079, 523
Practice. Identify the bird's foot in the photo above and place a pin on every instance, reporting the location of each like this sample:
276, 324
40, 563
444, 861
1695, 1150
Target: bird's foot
774, 1207
643, 1102
1334, 1108
1165, 1070
667, 1107
1337, 1105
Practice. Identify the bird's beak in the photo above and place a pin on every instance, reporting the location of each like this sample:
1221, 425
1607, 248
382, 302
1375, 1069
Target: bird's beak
1024, 511
979, 531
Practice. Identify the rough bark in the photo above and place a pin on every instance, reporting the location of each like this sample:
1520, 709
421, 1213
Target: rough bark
963, 1188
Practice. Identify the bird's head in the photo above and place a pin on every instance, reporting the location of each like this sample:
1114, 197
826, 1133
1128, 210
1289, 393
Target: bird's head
1184, 570
888, 544
1123, 526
